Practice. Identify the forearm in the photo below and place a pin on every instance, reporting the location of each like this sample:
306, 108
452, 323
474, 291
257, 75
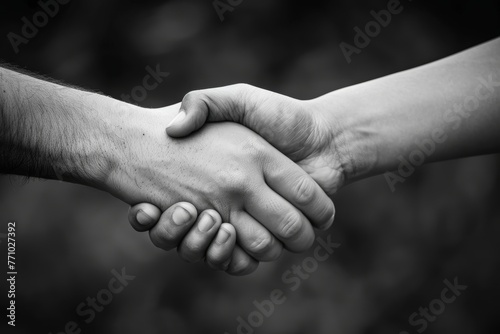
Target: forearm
443, 110
55, 132
52, 131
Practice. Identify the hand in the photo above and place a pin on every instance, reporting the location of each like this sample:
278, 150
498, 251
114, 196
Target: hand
299, 129
228, 168
295, 127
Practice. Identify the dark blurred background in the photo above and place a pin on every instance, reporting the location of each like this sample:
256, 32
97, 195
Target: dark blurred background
397, 247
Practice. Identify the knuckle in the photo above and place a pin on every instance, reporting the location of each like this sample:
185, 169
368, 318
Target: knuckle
291, 225
241, 85
242, 89
234, 181
304, 190
239, 179
256, 149
192, 96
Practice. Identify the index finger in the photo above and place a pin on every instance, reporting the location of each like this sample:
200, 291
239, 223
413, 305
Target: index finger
299, 188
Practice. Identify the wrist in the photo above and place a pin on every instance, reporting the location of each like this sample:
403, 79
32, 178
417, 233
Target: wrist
351, 138
130, 138
102, 147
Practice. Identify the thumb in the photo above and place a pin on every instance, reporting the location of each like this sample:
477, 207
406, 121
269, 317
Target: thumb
214, 105
182, 125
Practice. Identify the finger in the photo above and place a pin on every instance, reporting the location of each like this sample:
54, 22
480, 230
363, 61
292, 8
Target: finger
254, 238
143, 216
195, 244
173, 225
241, 263
220, 251
216, 104
282, 219
300, 190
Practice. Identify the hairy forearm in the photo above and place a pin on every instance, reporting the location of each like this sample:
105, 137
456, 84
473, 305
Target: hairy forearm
57, 132
51, 131
443, 110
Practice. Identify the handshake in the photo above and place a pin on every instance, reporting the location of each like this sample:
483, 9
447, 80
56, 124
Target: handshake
260, 176
248, 190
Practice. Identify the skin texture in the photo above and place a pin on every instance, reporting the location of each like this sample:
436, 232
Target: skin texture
294, 127
451, 106
251, 193
229, 168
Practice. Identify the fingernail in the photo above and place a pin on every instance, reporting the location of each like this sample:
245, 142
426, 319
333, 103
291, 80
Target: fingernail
180, 116
239, 267
225, 265
327, 225
180, 216
222, 236
206, 223
143, 218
